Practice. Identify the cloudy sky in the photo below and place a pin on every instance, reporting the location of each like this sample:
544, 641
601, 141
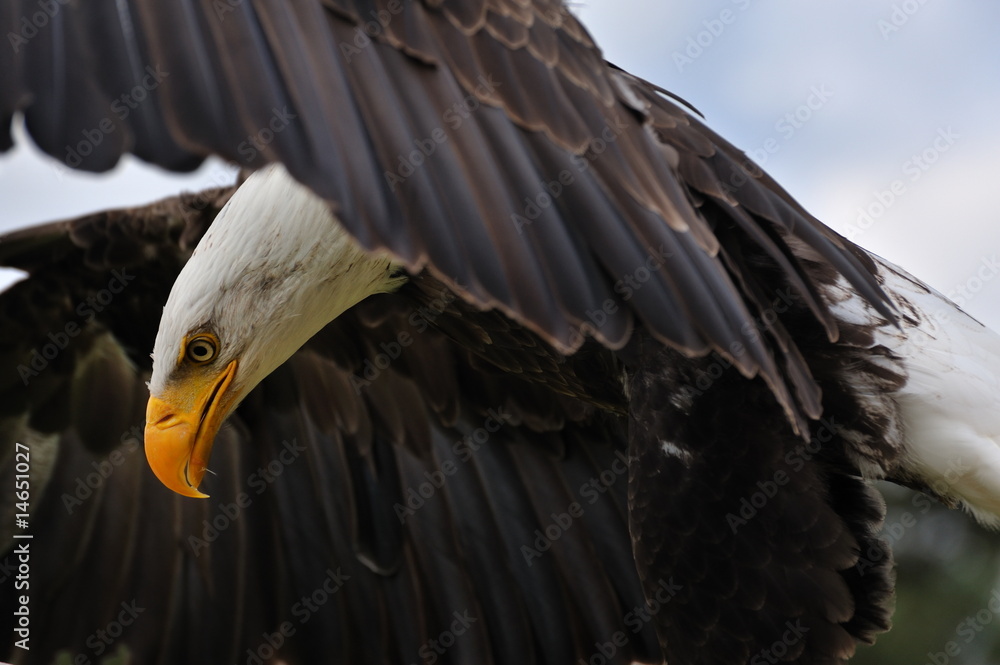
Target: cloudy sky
879, 116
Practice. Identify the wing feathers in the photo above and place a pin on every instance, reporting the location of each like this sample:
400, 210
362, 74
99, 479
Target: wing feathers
357, 97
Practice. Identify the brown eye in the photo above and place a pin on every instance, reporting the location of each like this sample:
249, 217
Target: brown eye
202, 349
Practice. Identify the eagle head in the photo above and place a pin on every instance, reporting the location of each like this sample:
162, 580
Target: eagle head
274, 268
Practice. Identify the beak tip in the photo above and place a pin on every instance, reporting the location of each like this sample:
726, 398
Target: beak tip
166, 453
180, 430
192, 483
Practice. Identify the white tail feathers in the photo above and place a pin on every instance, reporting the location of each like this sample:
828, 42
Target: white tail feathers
950, 403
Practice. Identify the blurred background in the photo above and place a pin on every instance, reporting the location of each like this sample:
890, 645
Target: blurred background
880, 117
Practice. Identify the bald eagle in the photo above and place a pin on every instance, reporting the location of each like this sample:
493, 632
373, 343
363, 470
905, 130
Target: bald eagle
527, 360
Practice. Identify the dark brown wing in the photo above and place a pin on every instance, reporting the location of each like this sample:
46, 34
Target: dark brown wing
486, 139
379, 498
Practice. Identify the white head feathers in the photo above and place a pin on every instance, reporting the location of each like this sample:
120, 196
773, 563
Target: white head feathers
274, 268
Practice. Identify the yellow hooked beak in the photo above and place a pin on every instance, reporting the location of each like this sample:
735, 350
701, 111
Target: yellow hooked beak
180, 428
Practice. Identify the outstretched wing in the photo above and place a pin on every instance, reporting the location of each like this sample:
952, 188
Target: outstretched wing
380, 498
484, 139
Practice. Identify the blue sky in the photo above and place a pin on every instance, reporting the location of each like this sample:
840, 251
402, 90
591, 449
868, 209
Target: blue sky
904, 128
860, 105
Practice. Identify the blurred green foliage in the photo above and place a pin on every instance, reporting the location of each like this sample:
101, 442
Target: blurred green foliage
947, 586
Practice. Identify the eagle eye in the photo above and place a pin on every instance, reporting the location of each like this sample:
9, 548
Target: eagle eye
202, 349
